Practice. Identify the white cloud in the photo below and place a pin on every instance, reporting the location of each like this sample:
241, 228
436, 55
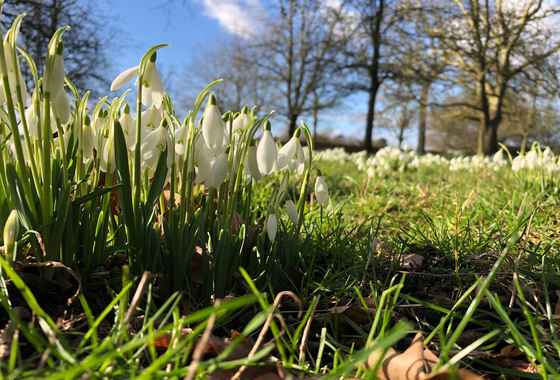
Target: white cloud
239, 17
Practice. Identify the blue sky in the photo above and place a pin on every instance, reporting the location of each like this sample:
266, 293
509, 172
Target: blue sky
189, 25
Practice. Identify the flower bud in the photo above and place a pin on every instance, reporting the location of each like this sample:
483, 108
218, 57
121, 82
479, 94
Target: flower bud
218, 171
321, 191
251, 165
152, 86
267, 152
292, 211
271, 227
289, 151
240, 122
129, 128
11, 232
213, 127
54, 76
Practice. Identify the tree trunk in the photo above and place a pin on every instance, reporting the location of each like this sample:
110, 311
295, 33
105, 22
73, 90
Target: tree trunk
401, 135
370, 118
524, 141
315, 115
491, 138
423, 118
292, 125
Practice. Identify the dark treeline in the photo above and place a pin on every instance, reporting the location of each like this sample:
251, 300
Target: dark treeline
467, 74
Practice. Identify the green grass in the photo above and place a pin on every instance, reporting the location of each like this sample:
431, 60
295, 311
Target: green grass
490, 243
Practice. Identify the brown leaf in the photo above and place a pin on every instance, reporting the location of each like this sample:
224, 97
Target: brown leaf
416, 363
510, 351
462, 374
408, 365
167, 198
412, 262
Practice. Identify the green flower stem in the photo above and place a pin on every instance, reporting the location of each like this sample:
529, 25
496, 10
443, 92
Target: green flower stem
137, 179
15, 132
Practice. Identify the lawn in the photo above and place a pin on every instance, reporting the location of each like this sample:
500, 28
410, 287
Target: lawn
469, 258
138, 244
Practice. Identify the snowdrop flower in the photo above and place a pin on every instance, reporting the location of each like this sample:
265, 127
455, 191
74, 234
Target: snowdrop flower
217, 171
271, 227
128, 125
213, 127
153, 145
151, 118
13, 72
291, 211
152, 86
107, 157
11, 232
241, 121
267, 152
124, 77
54, 84
321, 191
251, 165
288, 152
181, 136
32, 121
87, 141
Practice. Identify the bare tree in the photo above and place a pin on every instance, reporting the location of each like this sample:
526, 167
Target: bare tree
491, 44
297, 56
369, 53
85, 43
230, 60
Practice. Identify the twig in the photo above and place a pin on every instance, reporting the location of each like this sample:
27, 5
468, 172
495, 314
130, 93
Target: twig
265, 328
200, 348
137, 297
305, 335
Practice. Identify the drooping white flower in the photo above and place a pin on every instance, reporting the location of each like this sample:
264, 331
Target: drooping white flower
152, 86
32, 121
291, 151
128, 125
321, 191
61, 106
54, 75
251, 165
240, 122
271, 227
107, 157
100, 129
151, 119
181, 136
213, 127
13, 72
267, 152
87, 141
54, 85
291, 210
124, 77
218, 171
153, 145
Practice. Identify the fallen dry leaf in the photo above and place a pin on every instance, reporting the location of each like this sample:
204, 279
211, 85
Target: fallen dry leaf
462, 374
412, 262
416, 363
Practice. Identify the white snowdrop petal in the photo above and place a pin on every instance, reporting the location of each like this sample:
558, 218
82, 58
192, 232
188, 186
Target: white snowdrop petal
213, 129
124, 77
271, 227
267, 153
